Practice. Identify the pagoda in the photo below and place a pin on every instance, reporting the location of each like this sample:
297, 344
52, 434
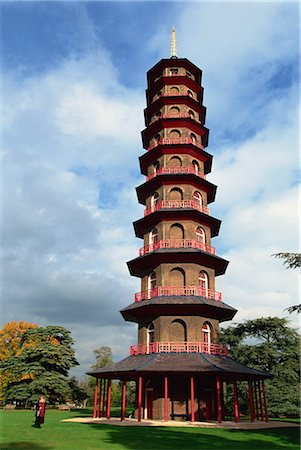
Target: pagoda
179, 365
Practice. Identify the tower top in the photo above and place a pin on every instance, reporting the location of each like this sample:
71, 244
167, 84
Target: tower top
173, 43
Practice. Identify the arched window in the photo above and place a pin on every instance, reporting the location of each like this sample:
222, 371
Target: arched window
178, 331
191, 113
203, 283
197, 197
177, 277
176, 194
176, 231
174, 110
190, 93
157, 138
174, 90
150, 333
154, 200
200, 235
206, 336
158, 114
193, 138
156, 166
196, 166
175, 134
152, 281
153, 236
175, 161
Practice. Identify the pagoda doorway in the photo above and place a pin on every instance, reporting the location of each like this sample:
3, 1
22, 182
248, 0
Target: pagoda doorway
148, 410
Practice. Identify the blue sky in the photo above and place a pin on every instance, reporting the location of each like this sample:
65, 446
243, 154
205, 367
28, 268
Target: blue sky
73, 88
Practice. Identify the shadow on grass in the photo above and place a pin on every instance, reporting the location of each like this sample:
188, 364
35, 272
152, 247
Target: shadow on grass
146, 438
25, 445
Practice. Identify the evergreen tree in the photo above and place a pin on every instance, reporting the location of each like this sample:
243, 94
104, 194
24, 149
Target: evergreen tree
269, 344
40, 366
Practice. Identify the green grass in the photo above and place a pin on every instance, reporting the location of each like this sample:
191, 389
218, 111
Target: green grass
17, 433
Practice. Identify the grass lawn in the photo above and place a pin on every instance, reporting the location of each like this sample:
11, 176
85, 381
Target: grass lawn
17, 433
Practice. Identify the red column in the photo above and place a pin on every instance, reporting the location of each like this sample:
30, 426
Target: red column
256, 402
123, 399
139, 398
218, 398
165, 399
99, 398
95, 399
265, 402
260, 401
192, 398
103, 399
236, 412
251, 401
109, 400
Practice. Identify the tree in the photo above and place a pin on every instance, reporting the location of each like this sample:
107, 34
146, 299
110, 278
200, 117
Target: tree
78, 394
291, 261
40, 365
269, 344
103, 357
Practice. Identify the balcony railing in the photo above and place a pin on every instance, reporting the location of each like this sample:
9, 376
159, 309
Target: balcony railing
178, 347
177, 243
174, 141
186, 291
174, 116
176, 170
177, 204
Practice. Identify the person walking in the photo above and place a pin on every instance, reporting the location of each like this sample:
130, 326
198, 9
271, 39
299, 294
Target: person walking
40, 412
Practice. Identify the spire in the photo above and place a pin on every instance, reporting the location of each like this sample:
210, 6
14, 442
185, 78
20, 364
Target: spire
173, 43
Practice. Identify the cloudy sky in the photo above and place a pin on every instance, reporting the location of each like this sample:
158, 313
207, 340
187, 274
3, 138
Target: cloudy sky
73, 87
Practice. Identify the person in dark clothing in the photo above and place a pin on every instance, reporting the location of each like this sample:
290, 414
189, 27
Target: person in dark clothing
40, 412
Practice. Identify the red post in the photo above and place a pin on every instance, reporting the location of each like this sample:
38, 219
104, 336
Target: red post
123, 399
265, 402
256, 401
99, 398
109, 400
236, 412
139, 398
192, 398
218, 398
95, 399
260, 401
251, 401
103, 399
165, 399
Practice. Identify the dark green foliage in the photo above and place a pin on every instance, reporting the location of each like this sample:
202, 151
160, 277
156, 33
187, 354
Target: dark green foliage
269, 344
42, 367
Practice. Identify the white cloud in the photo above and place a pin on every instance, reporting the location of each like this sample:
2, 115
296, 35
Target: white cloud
71, 169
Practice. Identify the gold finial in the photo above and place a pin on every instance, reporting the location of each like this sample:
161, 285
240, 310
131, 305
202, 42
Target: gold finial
173, 43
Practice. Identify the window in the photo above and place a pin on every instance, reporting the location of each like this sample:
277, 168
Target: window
174, 71
156, 166
150, 333
176, 194
175, 161
206, 336
193, 138
196, 166
190, 93
191, 114
203, 283
157, 138
188, 74
175, 134
174, 90
200, 235
174, 111
154, 200
152, 281
153, 236
197, 197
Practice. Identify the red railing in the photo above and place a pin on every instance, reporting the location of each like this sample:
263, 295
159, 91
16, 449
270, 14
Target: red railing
178, 347
173, 116
176, 170
173, 141
177, 243
186, 291
178, 204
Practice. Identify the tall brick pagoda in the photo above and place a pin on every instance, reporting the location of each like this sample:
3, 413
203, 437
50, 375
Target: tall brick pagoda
178, 363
